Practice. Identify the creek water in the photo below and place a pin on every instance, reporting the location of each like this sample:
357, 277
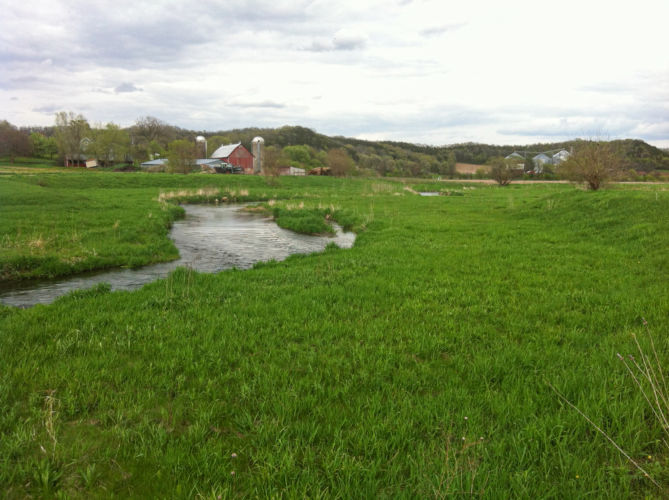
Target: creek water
210, 239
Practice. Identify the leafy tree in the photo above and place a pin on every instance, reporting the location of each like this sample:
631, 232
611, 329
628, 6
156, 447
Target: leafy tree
43, 146
111, 144
339, 161
216, 141
595, 163
299, 155
181, 156
71, 130
503, 171
13, 142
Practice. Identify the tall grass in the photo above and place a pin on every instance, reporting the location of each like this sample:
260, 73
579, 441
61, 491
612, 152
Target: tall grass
362, 373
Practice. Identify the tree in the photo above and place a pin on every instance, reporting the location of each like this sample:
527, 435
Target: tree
300, 156
112, 144
450, 164
339, 161
272, 161
181, 156
528, 164
43, 146
13, 142
503, 171
216, 141
70, 132
149, 134
595, 163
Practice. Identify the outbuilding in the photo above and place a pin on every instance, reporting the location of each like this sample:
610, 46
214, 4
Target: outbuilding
292, 171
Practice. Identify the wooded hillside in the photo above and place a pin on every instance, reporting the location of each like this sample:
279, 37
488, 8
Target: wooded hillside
303, 147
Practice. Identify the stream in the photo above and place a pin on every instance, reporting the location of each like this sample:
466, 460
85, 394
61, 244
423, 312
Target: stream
210, 239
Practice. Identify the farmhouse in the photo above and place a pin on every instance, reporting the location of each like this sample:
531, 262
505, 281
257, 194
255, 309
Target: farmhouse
540, 160
235, 154
560, 156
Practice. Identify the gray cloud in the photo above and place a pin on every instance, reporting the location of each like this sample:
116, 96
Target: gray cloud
127, 87
262, 104
440, 30
49, 109
342, 42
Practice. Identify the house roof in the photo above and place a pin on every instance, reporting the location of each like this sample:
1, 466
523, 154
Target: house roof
225, 150
515, 154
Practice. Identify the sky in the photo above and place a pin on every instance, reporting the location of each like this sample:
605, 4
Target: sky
422, 71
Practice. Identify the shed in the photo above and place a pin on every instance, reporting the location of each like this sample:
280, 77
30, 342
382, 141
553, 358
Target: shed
156, 165
292, 171
235, 154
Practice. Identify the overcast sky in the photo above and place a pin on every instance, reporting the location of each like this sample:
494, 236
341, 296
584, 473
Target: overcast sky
432, 72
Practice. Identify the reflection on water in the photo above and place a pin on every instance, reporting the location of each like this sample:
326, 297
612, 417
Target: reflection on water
209, 239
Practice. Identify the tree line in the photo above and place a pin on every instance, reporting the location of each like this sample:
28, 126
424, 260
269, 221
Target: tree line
73, 139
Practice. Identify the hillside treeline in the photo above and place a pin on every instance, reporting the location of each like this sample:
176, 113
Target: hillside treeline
150, 137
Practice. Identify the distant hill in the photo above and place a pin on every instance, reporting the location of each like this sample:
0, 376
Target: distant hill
403, 158
399, 158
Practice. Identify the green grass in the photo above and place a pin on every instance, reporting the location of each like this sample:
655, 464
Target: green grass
412, 365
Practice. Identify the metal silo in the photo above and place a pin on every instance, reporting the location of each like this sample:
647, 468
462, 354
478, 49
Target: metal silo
199, 140
257, 145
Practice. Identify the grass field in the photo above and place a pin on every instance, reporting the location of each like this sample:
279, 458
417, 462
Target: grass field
415, 364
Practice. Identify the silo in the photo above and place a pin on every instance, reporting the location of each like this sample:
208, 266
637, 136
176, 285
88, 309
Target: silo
201, 140
257, 145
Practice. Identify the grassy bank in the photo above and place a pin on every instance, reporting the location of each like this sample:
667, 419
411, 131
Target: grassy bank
414, 364
63, 223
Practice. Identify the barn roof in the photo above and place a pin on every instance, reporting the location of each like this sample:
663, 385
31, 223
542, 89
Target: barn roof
225, 150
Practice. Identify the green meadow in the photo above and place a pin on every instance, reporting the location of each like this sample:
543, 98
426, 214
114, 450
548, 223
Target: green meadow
415, 365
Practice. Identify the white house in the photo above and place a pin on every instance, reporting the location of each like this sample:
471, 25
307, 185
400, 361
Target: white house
540, 160
560, 156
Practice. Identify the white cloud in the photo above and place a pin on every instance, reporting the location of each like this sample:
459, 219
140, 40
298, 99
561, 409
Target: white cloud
424, 71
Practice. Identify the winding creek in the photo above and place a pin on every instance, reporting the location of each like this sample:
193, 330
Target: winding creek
210, 239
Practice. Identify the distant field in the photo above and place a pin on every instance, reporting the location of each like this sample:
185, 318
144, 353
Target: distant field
414, 365
470, 168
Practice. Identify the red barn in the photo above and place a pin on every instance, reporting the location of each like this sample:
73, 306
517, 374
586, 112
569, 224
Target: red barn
236, 154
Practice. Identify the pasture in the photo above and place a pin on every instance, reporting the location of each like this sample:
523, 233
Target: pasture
416, 364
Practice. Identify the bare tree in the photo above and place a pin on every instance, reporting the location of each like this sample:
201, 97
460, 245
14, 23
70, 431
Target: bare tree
503, 171
272, 160
339, 161
13, 142
149, 135
594, 163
